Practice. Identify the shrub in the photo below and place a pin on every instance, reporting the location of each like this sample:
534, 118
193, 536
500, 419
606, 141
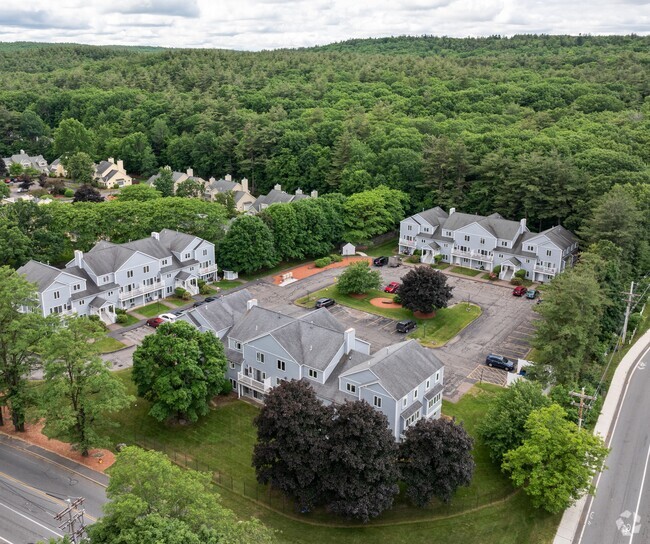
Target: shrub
397, 299
438, 258
413, 259
96, 319
497, 270
323, 262
203, 288
122, 318
182, 293
336, 258
120, 311
417, 253
68, 193
227, 388
516, 281
520, 274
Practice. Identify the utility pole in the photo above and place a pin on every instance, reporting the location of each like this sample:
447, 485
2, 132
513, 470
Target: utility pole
74, 525
581, 404
630, 299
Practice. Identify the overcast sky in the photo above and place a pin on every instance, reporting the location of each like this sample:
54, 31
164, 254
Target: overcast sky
271, 24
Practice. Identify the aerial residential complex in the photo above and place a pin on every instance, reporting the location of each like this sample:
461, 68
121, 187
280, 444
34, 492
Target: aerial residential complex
480, 242
264, 347
111, 276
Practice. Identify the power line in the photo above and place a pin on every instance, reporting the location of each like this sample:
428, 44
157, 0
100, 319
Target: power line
75, 525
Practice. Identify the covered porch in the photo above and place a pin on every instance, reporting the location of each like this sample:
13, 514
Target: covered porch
509, 267
187, 281
103, 308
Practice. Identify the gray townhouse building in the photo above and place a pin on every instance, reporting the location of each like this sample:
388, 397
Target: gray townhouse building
481, 242
278, 196
264, 347
129, 275
37, 162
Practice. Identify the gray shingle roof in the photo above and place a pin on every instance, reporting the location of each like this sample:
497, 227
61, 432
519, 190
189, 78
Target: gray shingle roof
273, 197
98, 302
330, 389
434, 216
107, 259
149, 246
438, 388
177, 241
39, 273
222, 186
222, 313
560, 236
258, 322
308, 343
91, 287
401, 367
417, 405
323, 318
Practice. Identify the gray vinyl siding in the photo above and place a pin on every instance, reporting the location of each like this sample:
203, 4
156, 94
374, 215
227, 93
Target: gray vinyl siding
272, 352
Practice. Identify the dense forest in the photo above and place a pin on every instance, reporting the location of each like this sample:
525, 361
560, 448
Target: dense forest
529, 126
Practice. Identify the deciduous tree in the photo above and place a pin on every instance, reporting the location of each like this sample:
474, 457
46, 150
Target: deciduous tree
79, 389
556, 463
424, 290
87, 193
292, 446
79, 167
139, 193
247, 246
358, 278
435, 460
373, 212
72, 137
164, 182
190, 188
179, 369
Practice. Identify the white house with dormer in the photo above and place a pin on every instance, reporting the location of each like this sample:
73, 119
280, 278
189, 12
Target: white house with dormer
110, 174
480, 242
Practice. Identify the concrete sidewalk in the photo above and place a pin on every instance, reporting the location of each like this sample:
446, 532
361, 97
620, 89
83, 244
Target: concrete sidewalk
566, 532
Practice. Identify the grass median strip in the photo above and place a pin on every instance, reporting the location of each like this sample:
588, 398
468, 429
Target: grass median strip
433, 332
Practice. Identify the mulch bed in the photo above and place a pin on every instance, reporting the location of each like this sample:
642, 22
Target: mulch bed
384, 302
306, 270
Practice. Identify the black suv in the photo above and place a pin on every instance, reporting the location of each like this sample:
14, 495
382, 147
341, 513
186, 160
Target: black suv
499, 361
324, 303
380, 261
406, 326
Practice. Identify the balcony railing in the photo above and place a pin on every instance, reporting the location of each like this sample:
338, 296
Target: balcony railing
473, 255
261, 386
545, 269
208, 269
409, 243
142, 290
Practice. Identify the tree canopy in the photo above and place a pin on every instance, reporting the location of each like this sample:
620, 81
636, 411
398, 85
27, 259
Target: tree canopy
358, 278
247, 246
424, 290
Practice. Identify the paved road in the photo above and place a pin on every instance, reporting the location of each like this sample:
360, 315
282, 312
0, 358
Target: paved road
33, 489
620, 511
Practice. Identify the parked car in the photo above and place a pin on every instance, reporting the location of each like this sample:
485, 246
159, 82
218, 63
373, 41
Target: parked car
499, 361
406, 325
532, 294
324, 303
380, 261
198, 303
155, 322
519, 291
209, 299
169, 318
392, 287
179, 313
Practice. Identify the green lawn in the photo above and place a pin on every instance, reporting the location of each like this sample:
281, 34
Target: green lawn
153, 309
175, 301
281, 266
223, 441
466, 271
108, 344
226, 284
130, 320
387, 248
431, 332
441, 266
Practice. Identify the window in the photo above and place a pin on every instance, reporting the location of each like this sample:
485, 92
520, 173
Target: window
426, 229
282, 365
232, 366
260, 357
467, 237
129, 273
500, 255
437, 376
428, 384
169, 290
415, 393
530, 248
376, 401
187, 256
404, 401
435, 400
76, 287
164, 262
482, 240
412, 419
205, 252
106, 279
528, 261
351, 388
409, 227
233, 383
313, 373
145, 269
82, 302
238, 346
57, 295
110, 293
169, 276
549, 253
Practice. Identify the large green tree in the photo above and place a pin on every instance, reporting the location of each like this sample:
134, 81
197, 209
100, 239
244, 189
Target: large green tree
139, 193
247, 246
424, 290
164, 183
71, 137
190, 188
358, 278
373, 212
179, 369
79, 390
435, 460
153, 500
79, 167
503, 427
22, 331
556, 463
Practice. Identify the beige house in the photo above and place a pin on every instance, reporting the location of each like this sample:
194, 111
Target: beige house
278, 196
178, 177
110, 174
57, 170
242, 196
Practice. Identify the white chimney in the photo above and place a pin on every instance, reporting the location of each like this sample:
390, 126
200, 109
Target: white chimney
314, 194
78, 258
452, 211
522, 225
228, 177
111, 160
298, 191
348, 340
155, 235
190, 172
250, 303
22, 151
278, 187
211, 180
244, 184
120, 165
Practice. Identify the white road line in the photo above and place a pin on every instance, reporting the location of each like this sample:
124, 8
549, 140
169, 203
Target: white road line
609, 442
32, 520
638, 502
5, 540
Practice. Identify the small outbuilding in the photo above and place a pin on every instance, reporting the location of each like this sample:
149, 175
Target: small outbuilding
348, 249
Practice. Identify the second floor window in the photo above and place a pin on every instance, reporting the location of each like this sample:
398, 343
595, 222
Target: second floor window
467, 237
351, 388
145, 269
549, 253
377, 401
428, 384
313, 373
57, 295
282, 365
482, 240
76, 287
187, 256
415, 393
260, 357
205, 252
129, 273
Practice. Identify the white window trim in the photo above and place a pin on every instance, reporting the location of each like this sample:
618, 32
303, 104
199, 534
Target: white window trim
350, 387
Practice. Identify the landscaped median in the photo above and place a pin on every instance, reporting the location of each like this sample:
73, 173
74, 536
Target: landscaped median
433, 332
